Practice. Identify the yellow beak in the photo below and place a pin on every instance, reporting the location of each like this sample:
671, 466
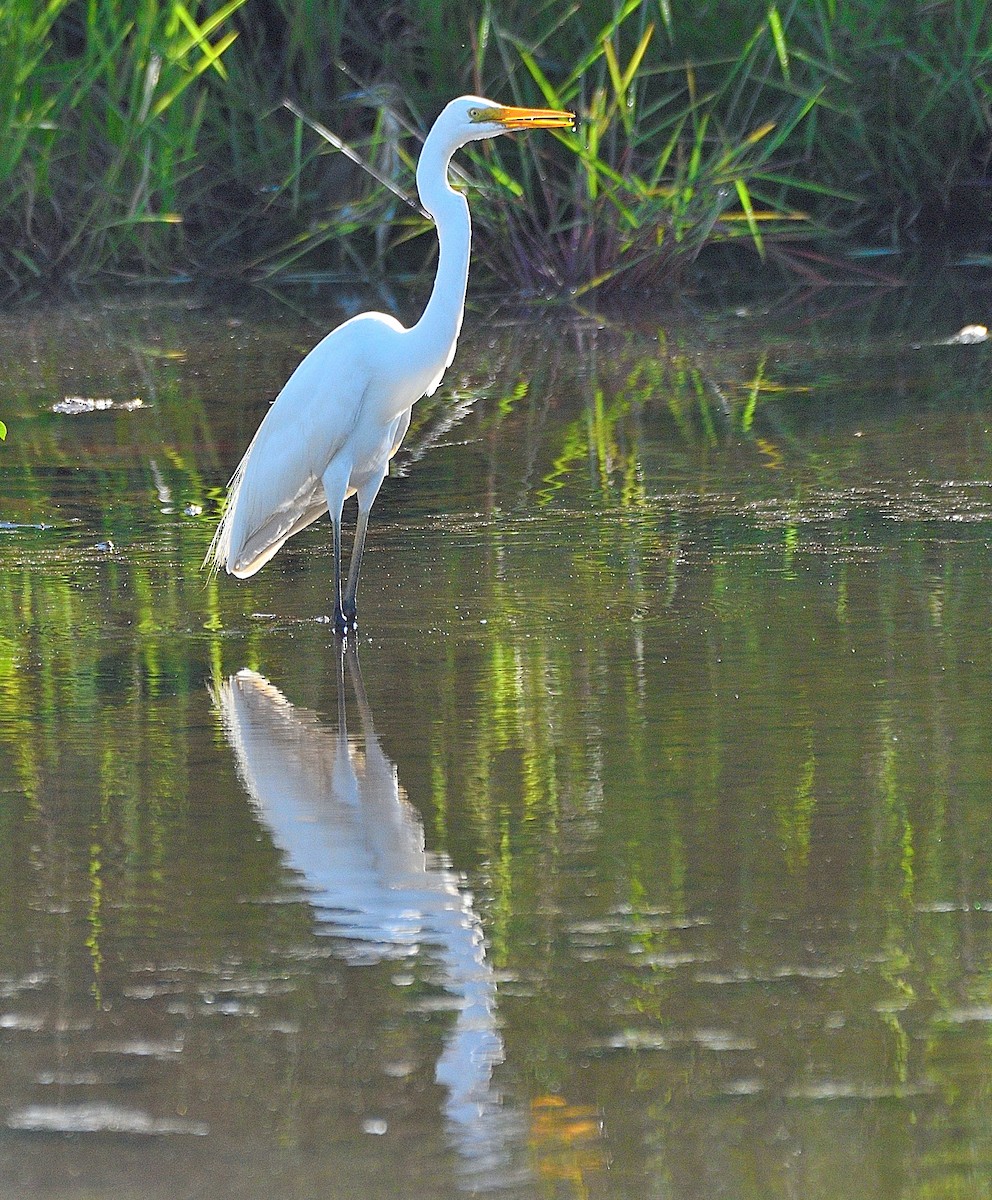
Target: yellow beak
531, 118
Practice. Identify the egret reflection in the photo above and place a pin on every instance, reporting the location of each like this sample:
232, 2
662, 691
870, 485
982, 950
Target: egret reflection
335, 807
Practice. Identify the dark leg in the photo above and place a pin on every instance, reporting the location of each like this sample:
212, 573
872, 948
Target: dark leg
340, 624
350, 603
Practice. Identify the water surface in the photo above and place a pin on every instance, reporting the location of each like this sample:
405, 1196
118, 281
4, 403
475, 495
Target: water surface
642, 850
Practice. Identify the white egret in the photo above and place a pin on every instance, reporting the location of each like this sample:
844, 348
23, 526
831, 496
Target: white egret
344, 411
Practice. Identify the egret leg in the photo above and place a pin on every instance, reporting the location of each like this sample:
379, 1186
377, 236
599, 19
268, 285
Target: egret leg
340, 625
334, 490
350, 602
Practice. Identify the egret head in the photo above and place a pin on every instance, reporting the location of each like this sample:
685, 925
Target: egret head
470, 118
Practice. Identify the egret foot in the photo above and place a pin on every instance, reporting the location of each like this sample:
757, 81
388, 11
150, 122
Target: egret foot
345, 623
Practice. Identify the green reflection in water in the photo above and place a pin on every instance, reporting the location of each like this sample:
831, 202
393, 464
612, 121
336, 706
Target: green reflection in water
680, 647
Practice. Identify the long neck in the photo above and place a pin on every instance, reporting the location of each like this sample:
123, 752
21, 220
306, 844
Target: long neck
442, 318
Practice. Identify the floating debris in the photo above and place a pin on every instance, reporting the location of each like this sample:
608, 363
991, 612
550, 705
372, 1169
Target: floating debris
74, 406
970, 335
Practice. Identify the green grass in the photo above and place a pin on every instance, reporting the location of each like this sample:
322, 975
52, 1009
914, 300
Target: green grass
100, 145
657, 168
151, 140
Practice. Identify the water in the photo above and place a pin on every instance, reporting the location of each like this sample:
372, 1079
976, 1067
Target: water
645, 852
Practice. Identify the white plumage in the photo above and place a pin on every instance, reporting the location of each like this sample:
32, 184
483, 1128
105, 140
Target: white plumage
344, 411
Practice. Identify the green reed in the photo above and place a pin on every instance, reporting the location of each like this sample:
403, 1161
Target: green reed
914, 115
658, 166
661, 163
151, 139
101, 140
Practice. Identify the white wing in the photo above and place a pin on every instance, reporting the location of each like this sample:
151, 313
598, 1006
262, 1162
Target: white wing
277, 489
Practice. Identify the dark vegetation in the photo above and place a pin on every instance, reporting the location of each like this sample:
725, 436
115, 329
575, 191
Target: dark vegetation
150, 140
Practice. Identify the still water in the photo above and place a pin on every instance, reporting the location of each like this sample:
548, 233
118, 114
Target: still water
644, 847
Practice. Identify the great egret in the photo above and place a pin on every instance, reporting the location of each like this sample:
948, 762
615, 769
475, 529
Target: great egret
344, 411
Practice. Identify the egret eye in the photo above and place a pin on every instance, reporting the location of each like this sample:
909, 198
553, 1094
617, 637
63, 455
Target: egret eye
475, 114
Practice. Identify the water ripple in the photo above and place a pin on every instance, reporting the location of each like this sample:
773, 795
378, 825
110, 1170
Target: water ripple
99, 1118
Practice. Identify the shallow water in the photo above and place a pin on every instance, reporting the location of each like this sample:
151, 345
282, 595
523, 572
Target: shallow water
647, 850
